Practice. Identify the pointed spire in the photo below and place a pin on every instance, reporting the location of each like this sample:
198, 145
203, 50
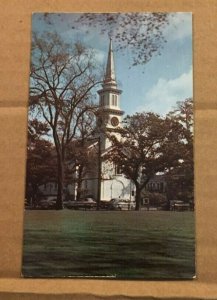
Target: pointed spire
110, 68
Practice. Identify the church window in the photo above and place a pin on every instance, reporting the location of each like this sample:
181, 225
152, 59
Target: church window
118, 169
116, 97
113, 100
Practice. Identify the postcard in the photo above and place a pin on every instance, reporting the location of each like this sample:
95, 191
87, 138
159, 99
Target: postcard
109, 169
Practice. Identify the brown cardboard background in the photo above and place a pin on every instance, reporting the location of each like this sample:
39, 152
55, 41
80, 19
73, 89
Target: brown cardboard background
15, 32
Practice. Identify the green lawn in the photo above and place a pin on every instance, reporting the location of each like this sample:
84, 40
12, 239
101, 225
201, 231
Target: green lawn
127, 244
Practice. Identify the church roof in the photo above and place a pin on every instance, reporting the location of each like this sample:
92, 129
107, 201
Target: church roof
110, 78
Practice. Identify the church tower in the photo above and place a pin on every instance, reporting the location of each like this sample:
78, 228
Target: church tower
109, 112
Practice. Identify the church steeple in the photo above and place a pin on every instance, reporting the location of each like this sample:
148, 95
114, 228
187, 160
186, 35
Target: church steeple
110, 68
109, 114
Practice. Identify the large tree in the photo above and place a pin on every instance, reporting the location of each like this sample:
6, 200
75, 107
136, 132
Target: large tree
146, 145
180, 179
80, 153
61, 82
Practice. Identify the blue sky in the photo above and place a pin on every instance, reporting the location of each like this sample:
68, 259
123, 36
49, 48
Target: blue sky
155, 86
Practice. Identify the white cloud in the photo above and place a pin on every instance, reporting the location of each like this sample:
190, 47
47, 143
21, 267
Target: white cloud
100, 56
162, 97
180, 26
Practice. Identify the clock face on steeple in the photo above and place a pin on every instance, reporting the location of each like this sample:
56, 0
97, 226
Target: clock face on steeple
114, 121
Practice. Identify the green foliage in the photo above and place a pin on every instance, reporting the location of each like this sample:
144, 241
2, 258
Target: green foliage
149, 144
143, 148
155, 199
180, 179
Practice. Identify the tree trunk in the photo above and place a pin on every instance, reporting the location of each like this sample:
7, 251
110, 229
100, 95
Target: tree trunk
138, 198
79, 182
60, 183
35, 199
60, 170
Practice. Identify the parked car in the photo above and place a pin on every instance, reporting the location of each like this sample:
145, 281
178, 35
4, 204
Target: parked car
46, 204
86, 203
122, 204
104, 204
179, 205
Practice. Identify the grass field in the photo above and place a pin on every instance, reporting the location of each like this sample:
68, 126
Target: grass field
128, 244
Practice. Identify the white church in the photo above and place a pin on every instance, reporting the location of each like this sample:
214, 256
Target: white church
113, 184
